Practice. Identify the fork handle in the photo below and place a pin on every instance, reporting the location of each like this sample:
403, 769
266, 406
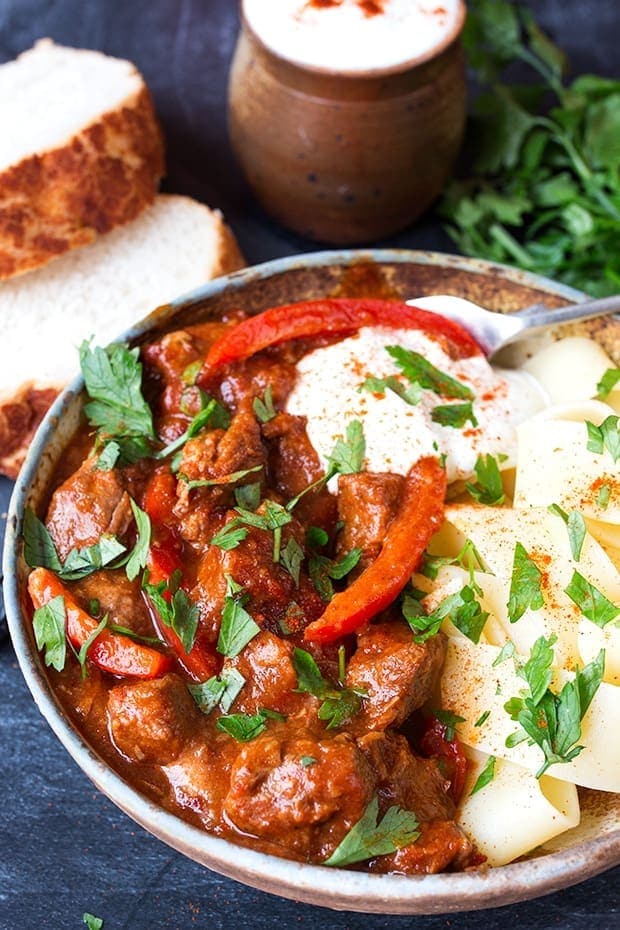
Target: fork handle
539, 316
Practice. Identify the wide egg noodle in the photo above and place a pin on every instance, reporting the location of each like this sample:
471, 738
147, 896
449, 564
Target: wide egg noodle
471, 685
515, 811
570, 370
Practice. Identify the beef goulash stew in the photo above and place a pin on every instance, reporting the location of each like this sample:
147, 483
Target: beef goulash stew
222, 584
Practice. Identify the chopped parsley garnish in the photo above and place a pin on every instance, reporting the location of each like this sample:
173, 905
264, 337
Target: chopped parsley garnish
137, 560
486, 776
40, 551
248, 495
219, 481
339, 705
117, 408
323, 569
423, 625
88, 642
420, 371
488, 489
603, 496
591, 602
237, 627
49, 623
553, 722
174, 608
525, 585
212, 414
190, 374
371, 837
221, 689
506, 652
291, 557
605, 436
264, 408
347, 456
92, 922
468, 559
576, 526
243, 727
465, 612
608, 382
307, 761
454, 415
482, 719
411, 393
450, 720
537, 670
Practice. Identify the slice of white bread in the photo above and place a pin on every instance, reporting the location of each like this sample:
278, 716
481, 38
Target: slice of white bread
100, 290
80, 151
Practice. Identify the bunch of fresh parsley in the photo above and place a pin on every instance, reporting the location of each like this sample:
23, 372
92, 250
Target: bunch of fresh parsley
544, 192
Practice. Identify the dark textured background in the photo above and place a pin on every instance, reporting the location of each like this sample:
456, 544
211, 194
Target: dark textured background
64, 848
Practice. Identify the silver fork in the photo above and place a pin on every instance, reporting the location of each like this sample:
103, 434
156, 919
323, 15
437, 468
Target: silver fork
493, 331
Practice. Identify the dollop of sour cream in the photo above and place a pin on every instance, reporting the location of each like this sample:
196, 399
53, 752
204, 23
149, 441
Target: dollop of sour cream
350, 35
329, 392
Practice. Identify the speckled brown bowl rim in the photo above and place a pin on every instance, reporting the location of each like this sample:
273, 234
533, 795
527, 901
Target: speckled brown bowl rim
335, 888
370, 73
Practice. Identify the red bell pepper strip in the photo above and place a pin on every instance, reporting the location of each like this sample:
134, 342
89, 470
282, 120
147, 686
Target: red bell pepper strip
434, 743
419, 517
160, 497
326, 318
111, 652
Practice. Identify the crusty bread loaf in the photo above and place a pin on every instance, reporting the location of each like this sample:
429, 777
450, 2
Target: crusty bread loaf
100, 290
80, 151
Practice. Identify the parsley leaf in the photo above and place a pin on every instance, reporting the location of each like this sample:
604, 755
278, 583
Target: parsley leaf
291, 557
40, 551
84, 648
222, 690
422, 625
506, 652
264, 408
488, 489
137, 560
525, 585
212, 414
554, 722
113, 379
605, 436
307, 761
468, 558
92, 922
220, 480
230, 536
482, 719
465, 612
411, 394
110, 455
248, 495
603, 496
537, 670
486, 776
347, 456
454, 415
339, 704
591, 602
49, 623
576, 527
237, 626
243, 727
415, 367
450, 721
608, 382
175, 608
371, 837
322, 569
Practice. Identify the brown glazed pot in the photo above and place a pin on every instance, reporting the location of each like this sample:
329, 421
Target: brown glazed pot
346, 158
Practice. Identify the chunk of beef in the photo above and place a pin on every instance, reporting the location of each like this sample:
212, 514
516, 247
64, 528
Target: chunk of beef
294, 464
398, 674
86, 506
366, 505
251, 378
216, 454
442, 845
118, 597
266, 663
306, 807
275, 602
199, 777
416, 785
405, 779
152, 721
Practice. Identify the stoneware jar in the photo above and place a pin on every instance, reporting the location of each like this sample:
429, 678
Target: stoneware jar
346, 156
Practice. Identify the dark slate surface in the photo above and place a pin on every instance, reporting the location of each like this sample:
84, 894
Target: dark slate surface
64, 848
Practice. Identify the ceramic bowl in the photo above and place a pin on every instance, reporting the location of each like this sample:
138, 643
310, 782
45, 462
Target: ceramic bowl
595, 846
